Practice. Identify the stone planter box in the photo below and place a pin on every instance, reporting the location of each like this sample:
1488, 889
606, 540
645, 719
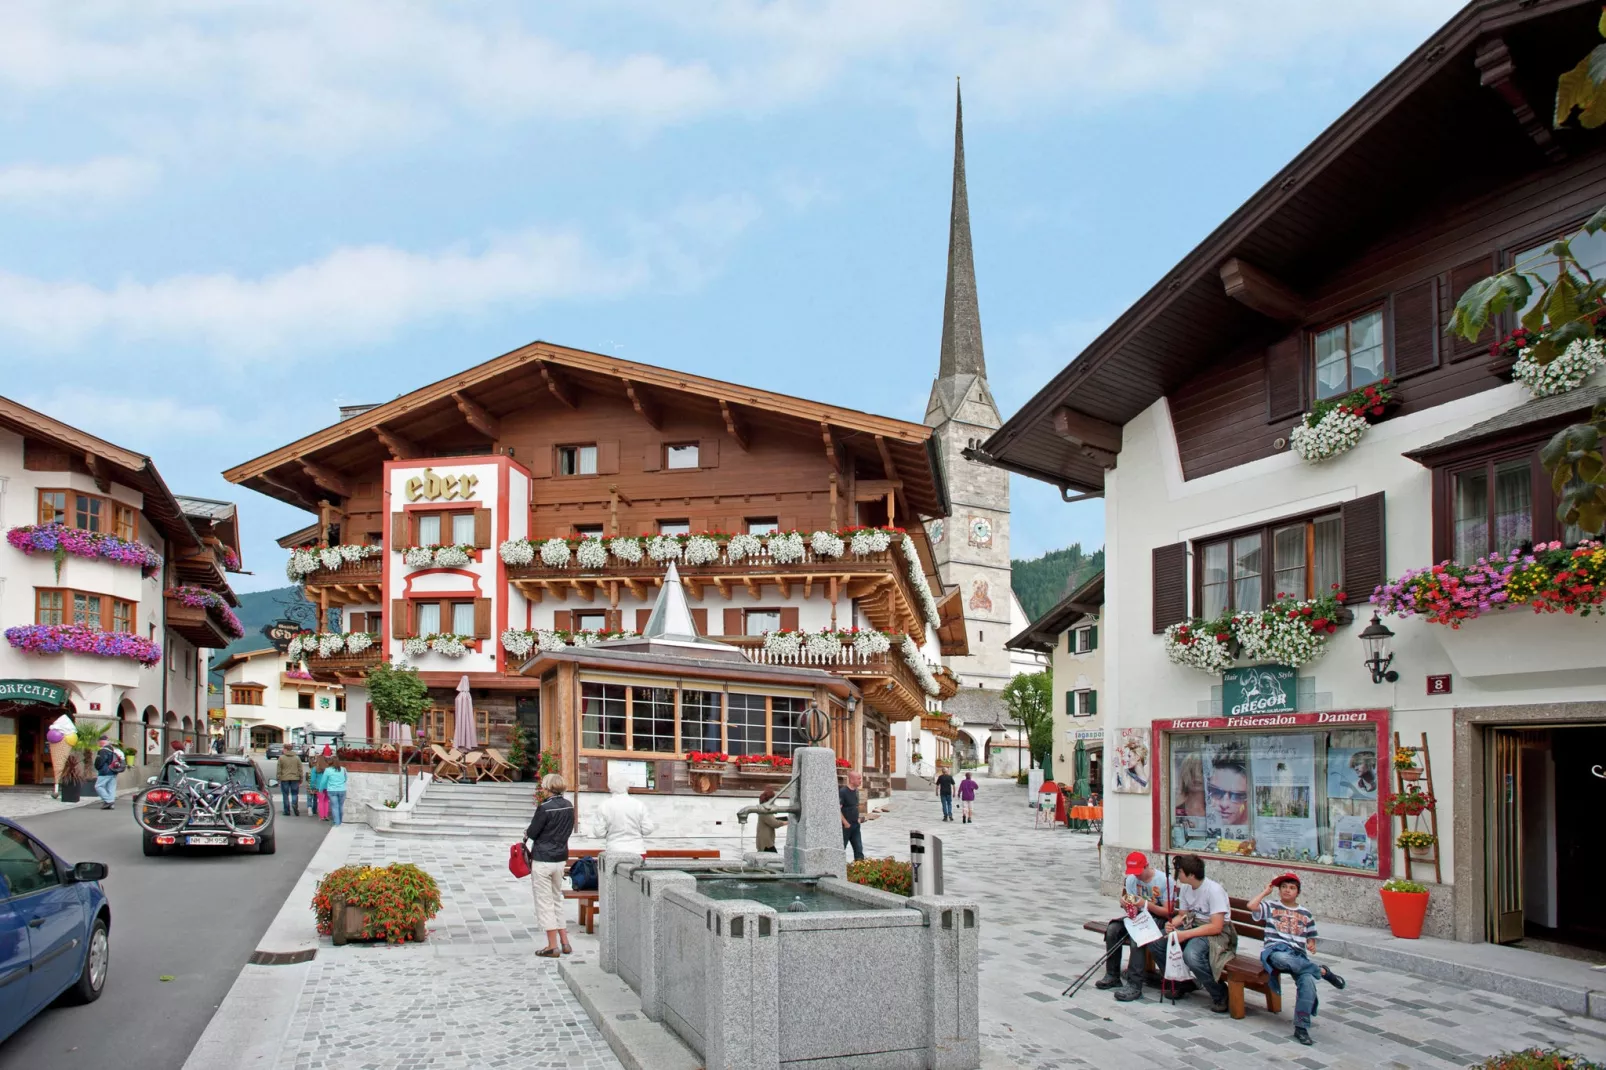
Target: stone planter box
1519, 641
347, 922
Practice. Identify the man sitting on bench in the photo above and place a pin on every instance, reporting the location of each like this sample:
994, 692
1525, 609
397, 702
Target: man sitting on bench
1146, 889
1202, 922
1290, 937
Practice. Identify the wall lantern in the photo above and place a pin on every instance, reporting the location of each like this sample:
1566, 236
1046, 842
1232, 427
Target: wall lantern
1379, 657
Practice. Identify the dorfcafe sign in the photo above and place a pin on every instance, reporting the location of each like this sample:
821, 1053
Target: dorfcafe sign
1258, 689
433, 488
32, 691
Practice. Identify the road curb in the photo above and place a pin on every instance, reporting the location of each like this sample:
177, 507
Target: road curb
249, 1026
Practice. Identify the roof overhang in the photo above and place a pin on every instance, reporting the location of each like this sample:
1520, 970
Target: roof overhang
1042, 635
1538, 418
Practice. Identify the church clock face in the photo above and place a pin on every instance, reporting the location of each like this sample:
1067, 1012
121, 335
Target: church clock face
981, 531
936, 532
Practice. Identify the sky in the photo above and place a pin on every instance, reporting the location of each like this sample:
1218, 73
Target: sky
222, 219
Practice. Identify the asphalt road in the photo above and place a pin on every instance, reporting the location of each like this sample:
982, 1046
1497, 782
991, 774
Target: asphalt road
194, 915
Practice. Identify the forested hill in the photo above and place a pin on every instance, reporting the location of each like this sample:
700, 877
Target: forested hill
1042, 581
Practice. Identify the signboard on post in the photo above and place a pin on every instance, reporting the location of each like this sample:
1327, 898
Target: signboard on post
1258, 689
280, 632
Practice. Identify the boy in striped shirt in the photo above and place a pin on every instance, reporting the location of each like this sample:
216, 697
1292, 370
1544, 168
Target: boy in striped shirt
1290, 937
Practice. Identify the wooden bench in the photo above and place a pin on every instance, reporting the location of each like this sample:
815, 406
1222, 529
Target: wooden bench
1243, 972
590, 899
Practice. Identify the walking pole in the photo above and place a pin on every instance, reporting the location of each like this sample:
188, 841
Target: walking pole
1082, 979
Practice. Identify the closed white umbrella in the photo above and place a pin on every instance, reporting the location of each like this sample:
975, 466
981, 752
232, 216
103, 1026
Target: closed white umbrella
465, 736
399, 733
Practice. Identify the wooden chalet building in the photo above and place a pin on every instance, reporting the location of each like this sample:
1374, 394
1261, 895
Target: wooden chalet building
534, 502
1339, 273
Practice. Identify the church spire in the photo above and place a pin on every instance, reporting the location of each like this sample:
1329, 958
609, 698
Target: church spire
961, 315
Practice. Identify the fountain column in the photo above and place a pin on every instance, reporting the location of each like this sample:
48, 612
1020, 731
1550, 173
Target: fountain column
814, 842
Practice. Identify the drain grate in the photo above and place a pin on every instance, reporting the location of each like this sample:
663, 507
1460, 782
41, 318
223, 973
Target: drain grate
281, 958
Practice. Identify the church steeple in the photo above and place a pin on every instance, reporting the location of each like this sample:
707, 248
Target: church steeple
961, 315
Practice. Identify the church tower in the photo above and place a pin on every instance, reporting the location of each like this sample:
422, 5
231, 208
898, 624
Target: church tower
972, 545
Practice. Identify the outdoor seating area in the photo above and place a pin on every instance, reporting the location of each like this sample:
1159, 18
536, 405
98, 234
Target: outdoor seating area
1057, 807
472, 767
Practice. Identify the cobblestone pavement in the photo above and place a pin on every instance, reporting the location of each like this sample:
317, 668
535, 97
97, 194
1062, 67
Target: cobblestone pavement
31, 801
475, 995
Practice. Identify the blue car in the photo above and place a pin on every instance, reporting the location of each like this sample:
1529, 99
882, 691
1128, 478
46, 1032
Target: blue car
55, 928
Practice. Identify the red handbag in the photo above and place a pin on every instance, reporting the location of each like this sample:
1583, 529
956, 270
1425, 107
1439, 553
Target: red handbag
518, 860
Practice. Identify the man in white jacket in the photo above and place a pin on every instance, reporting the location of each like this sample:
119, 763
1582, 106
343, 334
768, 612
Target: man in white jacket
622, 823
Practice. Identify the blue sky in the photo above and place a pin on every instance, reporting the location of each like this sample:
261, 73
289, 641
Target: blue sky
219, 220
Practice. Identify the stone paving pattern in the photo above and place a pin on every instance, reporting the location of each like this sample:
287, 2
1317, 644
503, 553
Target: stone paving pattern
18, 803
443, 1005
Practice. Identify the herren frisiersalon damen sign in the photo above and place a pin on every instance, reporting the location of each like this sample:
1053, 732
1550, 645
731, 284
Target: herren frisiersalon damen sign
434, 488
1258, 689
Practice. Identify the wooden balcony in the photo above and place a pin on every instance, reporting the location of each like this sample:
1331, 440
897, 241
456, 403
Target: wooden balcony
200, 567
200, 626
886, 680
355, 583
939, 725
339, 668
879, 581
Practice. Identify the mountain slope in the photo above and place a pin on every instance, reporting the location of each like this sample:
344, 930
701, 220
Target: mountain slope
1042, 581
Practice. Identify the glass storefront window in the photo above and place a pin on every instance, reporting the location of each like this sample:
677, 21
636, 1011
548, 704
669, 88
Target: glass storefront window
1296, 795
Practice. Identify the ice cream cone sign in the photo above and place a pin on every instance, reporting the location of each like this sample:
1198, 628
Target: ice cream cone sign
62, 737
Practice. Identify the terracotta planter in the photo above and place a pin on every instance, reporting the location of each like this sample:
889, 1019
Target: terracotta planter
1406, 912
1421, 854
1410, 774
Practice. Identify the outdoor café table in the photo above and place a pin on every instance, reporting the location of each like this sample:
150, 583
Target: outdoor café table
1086, 815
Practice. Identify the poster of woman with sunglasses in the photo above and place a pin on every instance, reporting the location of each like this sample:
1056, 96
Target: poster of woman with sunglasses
1210, 794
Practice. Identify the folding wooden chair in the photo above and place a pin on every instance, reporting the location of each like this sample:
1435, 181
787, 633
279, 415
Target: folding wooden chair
447, 766
471, 765
499, 768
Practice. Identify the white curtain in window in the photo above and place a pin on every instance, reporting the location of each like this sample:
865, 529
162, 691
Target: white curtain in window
429, 618
1288, 561
1513, 505
1329, 558
463, 529
429, 529
1471, 516
463, 618
1366, 349
1213, 586
1246, 572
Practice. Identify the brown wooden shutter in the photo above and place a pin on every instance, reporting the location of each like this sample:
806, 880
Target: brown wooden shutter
708, 453
1170, 565
1365, 558
608, 457
563, 620
359, 622
700, 618
1285, 378
446, 615
1416, 329
482, 618
482, 528
398, 618
733, 622
541, 461
1461, 279
642, 616
652, 459
398, 531
789, 618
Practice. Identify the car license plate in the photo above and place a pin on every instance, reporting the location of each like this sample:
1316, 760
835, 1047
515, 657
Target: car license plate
206, 841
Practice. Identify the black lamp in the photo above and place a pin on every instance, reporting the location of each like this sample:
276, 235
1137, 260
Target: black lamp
1379, 657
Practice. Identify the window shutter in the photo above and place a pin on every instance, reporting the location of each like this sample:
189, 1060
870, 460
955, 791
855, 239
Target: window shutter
789, 618
1070, 641
482, 529
1093, 638
653, 459
1416, 328
1365, 561
1285, 378
482, 618
1092, 703
700, 618
641, 619
733, 622
398, 618
398, 531
708, 453
359, 622
563, 620
1070, 703
1170, 565
608, 458
541, 461
1461, 278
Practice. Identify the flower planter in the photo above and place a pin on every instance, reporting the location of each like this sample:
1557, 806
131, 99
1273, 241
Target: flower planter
1420, 854
705, 778
348, 922
71, 790
1410, 774
1406, 912
1518, 641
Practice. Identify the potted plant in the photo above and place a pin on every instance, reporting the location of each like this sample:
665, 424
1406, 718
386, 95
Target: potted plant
1405, 763
517, 756
549, 762
707, 768
1406, 905
72, 776
1408, 803
391, 903
1420, 844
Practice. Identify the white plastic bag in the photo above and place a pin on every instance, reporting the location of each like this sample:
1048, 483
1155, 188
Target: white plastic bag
1142, 928
1176, 967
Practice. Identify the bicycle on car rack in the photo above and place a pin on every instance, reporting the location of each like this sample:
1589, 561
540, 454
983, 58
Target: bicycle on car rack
167, 809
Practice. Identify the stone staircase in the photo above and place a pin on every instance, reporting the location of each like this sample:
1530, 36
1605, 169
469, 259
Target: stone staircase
496, 811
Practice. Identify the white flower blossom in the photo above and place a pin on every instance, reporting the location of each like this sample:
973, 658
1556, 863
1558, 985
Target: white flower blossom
555, 553
1196, 646
625, 548
917, 580
1336, 433
452, 557
357, 642
870, 541
329, 557
869, 644
700, 550
585, 637
663, 548
517, 552
330, 643
827, 544
418, 557
449, 646
823, 646
917, 664
301, 563
518, 643
784, 645
415, 646
351, 553
293, 651
743, 546
1566, 371
592, 554
785, 547
549, 640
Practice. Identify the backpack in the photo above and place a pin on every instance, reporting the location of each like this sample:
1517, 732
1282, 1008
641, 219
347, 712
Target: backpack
518, 860
583, 875
119, 761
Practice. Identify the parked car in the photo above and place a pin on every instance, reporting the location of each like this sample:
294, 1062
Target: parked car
273, 751
55, 928
207, 800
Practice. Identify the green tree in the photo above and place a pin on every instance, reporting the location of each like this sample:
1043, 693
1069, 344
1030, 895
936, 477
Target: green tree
1030, 697
1040, 582
399, 696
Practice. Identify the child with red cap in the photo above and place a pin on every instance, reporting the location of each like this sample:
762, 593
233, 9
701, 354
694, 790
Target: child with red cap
1289, 939
1146, 889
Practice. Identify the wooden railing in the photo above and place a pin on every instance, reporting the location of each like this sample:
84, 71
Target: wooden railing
911, 698
368, 570
345, 664
753, 562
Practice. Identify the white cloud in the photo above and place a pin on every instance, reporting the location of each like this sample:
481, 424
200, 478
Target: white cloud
107, 178
128, 421
365, 293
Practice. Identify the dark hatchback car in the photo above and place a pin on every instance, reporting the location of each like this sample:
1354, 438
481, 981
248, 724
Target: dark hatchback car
227, 784
274, 750
55, 928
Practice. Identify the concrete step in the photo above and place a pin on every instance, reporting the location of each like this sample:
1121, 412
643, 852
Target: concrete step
461, 821
475, 808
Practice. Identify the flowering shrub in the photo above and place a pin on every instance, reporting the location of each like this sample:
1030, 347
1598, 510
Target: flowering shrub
520, 643
415, 646
201, 598
1404, 758
786, 644
870, 643
555, 553
786, 546
917, 580
398, 897
377, 754
418, 557
775, 761
516, 552
78, 639
1567, 371
823, 646
1408, 803
1289, 632
1202, 645
887, 874
231, 560
328, 644
700, 550
1335, 426
663, 548
917, 664
297, 674
60, 540
591, 553
707, 757
870, 540
743, 546
827, 544
1551, 579
1537, 1059
305, 560
625, 548
1415, 841
450, 556
449, 646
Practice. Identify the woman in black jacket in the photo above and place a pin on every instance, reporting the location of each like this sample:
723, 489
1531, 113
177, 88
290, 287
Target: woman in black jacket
548, 834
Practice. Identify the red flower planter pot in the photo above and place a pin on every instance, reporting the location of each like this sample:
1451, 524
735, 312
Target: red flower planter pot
1406, 912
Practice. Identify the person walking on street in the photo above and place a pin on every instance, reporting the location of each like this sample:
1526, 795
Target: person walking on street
849, 795
622, 823
289, 774
334, 784
109, 761
967, 798
945, 792
768, 822
548, 837
317, 801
